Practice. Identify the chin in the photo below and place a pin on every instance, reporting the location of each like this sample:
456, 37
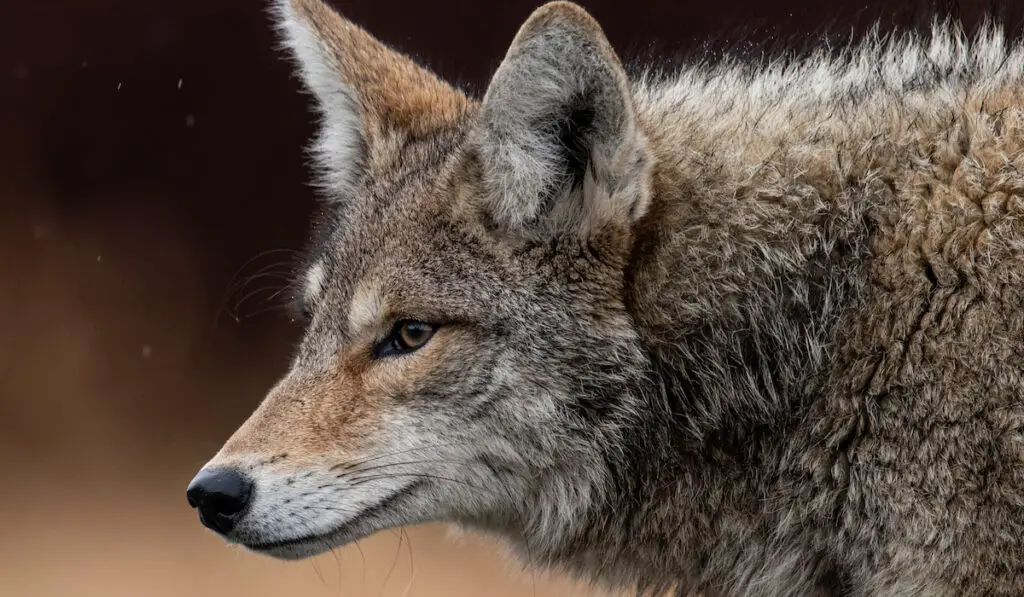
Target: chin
294, 551
308, 546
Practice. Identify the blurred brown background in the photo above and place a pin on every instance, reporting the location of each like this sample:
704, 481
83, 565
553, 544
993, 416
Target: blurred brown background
152, 192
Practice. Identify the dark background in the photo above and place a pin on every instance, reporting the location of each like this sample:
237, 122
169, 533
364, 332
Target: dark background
152, 194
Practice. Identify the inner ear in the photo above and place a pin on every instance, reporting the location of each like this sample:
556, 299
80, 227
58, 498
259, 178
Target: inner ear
574, 133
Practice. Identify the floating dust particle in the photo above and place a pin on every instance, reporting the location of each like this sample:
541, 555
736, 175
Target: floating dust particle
40, 232
180, 83
147, 351
190, 120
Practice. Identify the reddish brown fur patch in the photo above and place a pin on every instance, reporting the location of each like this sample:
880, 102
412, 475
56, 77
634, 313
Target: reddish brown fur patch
394, 93
355, 361
309, 415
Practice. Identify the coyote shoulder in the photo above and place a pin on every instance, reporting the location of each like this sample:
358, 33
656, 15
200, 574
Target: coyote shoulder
738, 329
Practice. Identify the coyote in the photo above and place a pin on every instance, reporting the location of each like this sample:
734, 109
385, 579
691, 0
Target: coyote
738, 329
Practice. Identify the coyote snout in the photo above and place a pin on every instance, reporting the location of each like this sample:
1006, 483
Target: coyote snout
327, 458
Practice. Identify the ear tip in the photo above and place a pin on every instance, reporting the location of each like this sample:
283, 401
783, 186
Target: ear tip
284, 8
297, 5
566, 7
309, 20
304, 10
563, 11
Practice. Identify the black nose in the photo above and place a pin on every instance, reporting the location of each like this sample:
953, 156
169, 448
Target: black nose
220, 496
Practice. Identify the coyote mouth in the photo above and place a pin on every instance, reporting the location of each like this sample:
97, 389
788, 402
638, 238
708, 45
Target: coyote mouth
351, 530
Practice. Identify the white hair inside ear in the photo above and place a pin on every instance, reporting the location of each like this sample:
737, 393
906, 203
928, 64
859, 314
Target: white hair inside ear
340, 146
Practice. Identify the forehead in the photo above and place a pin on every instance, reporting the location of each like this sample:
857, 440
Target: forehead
402, 236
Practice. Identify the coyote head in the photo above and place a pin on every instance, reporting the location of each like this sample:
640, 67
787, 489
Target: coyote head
469, 356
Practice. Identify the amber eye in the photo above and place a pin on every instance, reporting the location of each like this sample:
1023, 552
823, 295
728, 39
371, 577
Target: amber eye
405, 337
414, 334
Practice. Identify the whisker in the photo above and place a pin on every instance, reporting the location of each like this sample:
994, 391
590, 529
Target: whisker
260, 255
412, 563
337, 564
343, 510
263, 274
285, 283
277, 293
267, 309
233, 310
394, 562
360, 461
234, 284
522, 523
319, 574
393, 464
282, 270
362, 583
367, 479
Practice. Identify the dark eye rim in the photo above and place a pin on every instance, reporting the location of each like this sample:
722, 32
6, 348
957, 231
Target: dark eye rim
393, 344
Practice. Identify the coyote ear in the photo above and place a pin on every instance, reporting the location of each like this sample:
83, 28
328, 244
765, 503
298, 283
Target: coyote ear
557, 137
367, 94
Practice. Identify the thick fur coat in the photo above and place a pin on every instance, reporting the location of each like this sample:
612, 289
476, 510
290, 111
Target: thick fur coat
731, 330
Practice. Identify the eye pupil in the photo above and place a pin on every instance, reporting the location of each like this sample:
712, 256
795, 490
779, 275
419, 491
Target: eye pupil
407, 336
414, 334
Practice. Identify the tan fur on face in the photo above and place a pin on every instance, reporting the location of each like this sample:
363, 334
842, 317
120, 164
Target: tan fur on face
309, 415
367, 307
402, 376
337, 411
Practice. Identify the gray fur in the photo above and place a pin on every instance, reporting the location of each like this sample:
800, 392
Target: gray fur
797, 368
558, 80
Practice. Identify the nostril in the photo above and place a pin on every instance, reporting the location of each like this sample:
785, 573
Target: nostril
220, 496
227, 501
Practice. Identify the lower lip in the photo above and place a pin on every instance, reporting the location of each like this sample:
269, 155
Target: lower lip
276, 546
